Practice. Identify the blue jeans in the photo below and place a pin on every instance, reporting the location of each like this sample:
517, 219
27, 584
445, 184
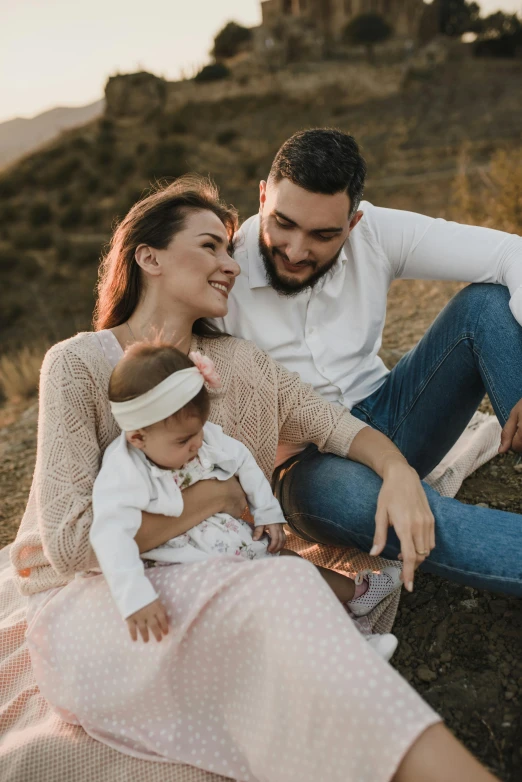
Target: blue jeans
424, 405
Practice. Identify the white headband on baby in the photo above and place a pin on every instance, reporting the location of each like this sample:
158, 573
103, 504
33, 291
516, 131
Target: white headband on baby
167, 397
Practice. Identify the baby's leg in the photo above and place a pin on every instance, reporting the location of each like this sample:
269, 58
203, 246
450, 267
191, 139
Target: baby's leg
342, 586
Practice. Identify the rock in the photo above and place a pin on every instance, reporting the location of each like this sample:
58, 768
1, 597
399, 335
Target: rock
135, 96
425, 675
446, 657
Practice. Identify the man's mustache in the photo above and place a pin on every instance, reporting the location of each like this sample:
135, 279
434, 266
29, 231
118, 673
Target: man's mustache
282, 255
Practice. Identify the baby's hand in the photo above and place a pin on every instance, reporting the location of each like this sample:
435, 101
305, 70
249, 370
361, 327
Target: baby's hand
152, 617
277, 536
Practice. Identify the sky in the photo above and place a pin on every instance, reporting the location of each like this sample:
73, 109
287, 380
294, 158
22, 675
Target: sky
60, 53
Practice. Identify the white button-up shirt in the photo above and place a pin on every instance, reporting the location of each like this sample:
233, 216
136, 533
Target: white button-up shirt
331, 335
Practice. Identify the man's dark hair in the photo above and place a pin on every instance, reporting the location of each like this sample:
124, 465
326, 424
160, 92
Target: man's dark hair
322, 160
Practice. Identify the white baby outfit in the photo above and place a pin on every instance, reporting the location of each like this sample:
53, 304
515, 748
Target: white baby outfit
128, 483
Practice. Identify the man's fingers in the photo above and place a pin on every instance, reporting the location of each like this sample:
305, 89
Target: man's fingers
133, 631
258, 533
381, 532
144, 631
516, 443
422, 540
508, 432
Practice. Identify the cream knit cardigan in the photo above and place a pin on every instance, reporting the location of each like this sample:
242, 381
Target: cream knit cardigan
260, 403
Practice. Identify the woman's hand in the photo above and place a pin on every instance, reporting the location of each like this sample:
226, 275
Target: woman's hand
277, 536
403, 505
152, 617
201, 500
234, 498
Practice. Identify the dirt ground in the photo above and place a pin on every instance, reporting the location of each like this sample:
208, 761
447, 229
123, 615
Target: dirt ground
460, 648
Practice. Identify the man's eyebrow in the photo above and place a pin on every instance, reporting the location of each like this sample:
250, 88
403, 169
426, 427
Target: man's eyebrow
330, 230
217, 238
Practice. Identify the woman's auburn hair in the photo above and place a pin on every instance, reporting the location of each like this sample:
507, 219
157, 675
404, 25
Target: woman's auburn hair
154, 221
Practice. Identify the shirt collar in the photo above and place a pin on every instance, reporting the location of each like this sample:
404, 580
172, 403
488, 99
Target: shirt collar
256, 268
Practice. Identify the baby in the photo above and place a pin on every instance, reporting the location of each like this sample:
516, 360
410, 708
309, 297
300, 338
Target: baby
159, 400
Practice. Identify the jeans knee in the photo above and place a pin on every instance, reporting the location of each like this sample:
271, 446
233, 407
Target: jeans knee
486, 300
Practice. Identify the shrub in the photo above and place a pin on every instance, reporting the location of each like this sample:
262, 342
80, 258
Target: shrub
124, 167
215, 72
166, 160
250, 169
40, 213
230, 39
178, 126
91, 182
16, 265
502, 46
226, 136
7, 186
27, 238
71, 217
106, 134
368, 30
64, 173
8, 213
105, 156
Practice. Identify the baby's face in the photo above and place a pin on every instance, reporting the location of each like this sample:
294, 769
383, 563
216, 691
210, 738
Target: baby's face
170, 444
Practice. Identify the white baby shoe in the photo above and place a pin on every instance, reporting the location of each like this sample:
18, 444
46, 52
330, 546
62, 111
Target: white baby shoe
385, 645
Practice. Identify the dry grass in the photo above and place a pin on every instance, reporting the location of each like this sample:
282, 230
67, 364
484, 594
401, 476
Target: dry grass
20, 372
492, 198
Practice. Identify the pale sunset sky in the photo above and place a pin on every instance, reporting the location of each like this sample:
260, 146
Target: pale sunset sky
60, 53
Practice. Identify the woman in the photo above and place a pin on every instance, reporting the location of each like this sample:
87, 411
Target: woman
263, 676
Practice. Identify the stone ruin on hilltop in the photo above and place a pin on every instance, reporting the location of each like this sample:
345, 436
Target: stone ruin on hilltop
328, 18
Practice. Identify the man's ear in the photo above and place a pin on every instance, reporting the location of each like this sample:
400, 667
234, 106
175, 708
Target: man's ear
146, 259
136, 438
355, 219
262, 194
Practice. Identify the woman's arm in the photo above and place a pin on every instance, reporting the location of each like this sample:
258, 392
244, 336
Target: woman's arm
200, 501
402, 502
67, 460
304, 416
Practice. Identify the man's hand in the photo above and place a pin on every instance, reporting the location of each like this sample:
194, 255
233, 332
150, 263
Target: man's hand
152, 617
511, 437
403, 505
276, 534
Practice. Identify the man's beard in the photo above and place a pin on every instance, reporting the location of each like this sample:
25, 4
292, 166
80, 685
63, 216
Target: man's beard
285, 286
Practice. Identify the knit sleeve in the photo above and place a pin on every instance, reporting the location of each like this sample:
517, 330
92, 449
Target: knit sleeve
305, 416
68, 460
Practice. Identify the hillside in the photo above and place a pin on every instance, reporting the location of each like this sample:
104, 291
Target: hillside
57, 206
21, 136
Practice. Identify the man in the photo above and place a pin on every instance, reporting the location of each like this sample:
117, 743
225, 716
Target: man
316, 268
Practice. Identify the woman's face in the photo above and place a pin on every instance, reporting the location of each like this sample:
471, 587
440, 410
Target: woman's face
195, 272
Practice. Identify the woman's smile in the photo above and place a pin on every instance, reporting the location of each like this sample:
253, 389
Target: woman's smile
222, 287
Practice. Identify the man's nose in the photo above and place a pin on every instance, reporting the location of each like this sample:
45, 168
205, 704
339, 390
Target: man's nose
297, 250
